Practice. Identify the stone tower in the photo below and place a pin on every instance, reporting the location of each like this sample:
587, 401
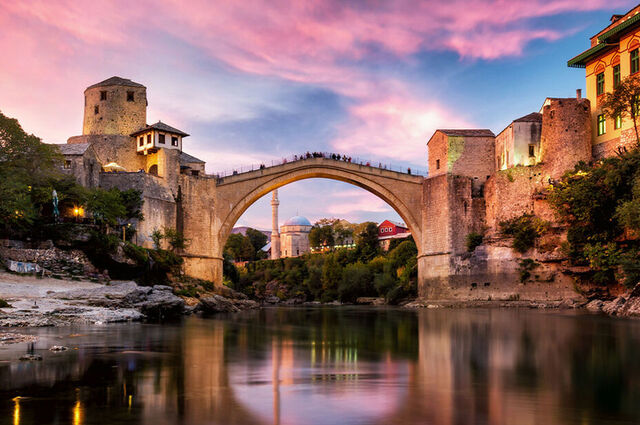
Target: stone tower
275, 235
114, 106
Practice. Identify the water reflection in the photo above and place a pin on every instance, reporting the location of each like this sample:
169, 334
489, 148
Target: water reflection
349, 365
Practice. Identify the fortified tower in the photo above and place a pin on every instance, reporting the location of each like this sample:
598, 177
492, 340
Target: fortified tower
114, 106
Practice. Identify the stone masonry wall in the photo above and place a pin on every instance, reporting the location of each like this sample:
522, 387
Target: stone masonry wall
114, 148
115, 115
566, 135
471, 156
159, 208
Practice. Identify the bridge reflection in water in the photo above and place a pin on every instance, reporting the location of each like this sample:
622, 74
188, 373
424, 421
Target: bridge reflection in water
326, 366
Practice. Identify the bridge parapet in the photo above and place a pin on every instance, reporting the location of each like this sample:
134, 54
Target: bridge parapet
326, 162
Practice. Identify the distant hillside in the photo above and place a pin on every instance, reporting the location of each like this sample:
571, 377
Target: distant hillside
243, 231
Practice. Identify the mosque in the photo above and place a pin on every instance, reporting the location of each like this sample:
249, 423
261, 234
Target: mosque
292, 238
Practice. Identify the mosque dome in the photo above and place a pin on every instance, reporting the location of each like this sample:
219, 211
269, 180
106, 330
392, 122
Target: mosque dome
297, 221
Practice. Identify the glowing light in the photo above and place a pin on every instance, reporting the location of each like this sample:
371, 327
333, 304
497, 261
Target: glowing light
16, 411
77, 413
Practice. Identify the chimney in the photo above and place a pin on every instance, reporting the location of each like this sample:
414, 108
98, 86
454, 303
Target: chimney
578, 93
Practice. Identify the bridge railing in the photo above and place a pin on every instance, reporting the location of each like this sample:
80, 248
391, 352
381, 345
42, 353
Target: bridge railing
327, 155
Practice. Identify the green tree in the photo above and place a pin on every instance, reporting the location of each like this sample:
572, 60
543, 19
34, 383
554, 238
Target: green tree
624, 102
331, 273
357, 281
106, 206
239, 247
367, 241
258, 240
321, 235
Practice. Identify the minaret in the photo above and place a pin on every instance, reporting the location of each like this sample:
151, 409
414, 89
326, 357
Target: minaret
275, 234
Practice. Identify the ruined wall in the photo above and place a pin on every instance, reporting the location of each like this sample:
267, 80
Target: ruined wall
566, 135
115, 114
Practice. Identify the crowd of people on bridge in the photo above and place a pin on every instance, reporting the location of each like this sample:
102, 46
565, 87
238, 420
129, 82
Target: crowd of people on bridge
334, 156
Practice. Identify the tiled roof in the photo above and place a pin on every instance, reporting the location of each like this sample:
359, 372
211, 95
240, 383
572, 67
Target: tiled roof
468, 132
185, 158
116, 81
162, 127
72, 148
532, 117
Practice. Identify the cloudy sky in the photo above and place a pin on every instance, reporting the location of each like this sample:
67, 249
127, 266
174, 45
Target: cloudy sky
255, 80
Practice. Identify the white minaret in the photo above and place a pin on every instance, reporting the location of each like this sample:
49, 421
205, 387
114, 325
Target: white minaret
275, 234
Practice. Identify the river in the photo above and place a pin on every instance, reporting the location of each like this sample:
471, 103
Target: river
341, 365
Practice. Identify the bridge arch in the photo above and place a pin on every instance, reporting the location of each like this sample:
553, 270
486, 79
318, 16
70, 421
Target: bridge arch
325, 172
233, 194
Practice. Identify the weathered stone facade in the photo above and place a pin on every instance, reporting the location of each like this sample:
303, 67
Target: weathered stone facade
115, 106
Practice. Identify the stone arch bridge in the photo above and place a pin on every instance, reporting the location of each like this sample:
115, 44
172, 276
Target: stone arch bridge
209, 207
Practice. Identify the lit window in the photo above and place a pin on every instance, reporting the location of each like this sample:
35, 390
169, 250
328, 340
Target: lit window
141, 141
67, 164
602, 125
161, 138
617, 122
96, 109
103, 95
600, 83
635, 62
616, 76
129, 96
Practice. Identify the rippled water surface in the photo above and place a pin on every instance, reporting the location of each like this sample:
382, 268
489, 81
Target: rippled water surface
332, 366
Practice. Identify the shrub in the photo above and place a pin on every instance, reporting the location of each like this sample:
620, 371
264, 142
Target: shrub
4, 304
524, 230
136, 253
356, 282
176, 240
384, 282
630, 264
473, 241
157, 236
525, 267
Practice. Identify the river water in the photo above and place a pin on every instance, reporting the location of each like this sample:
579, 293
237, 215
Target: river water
343, 365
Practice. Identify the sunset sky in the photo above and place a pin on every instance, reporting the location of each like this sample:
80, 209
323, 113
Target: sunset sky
255, 80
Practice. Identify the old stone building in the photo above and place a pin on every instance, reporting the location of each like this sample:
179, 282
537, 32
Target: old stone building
519, 142
149, 157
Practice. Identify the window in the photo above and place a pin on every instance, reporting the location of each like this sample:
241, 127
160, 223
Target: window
602, 125
174, 141
532, 150
635, 62
67, 164
148, 139
437, 164
141, 141
129, 96
617, 123
616, 76
161, 138
600, 84
103, 95
636, 105
96, 110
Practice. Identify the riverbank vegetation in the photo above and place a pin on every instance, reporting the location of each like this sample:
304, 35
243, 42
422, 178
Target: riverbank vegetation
340, 274
600, 204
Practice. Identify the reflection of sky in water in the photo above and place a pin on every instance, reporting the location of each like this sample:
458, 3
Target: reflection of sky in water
294, 387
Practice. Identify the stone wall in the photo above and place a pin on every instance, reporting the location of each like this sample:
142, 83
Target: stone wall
115, 115
159, 208
85, 168
566, 135
114, 148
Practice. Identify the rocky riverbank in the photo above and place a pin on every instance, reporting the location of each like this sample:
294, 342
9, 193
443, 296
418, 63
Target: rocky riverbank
36, 301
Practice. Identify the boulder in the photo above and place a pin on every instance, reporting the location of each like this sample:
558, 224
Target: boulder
216, 304
612, 307
595, 305
161, 304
